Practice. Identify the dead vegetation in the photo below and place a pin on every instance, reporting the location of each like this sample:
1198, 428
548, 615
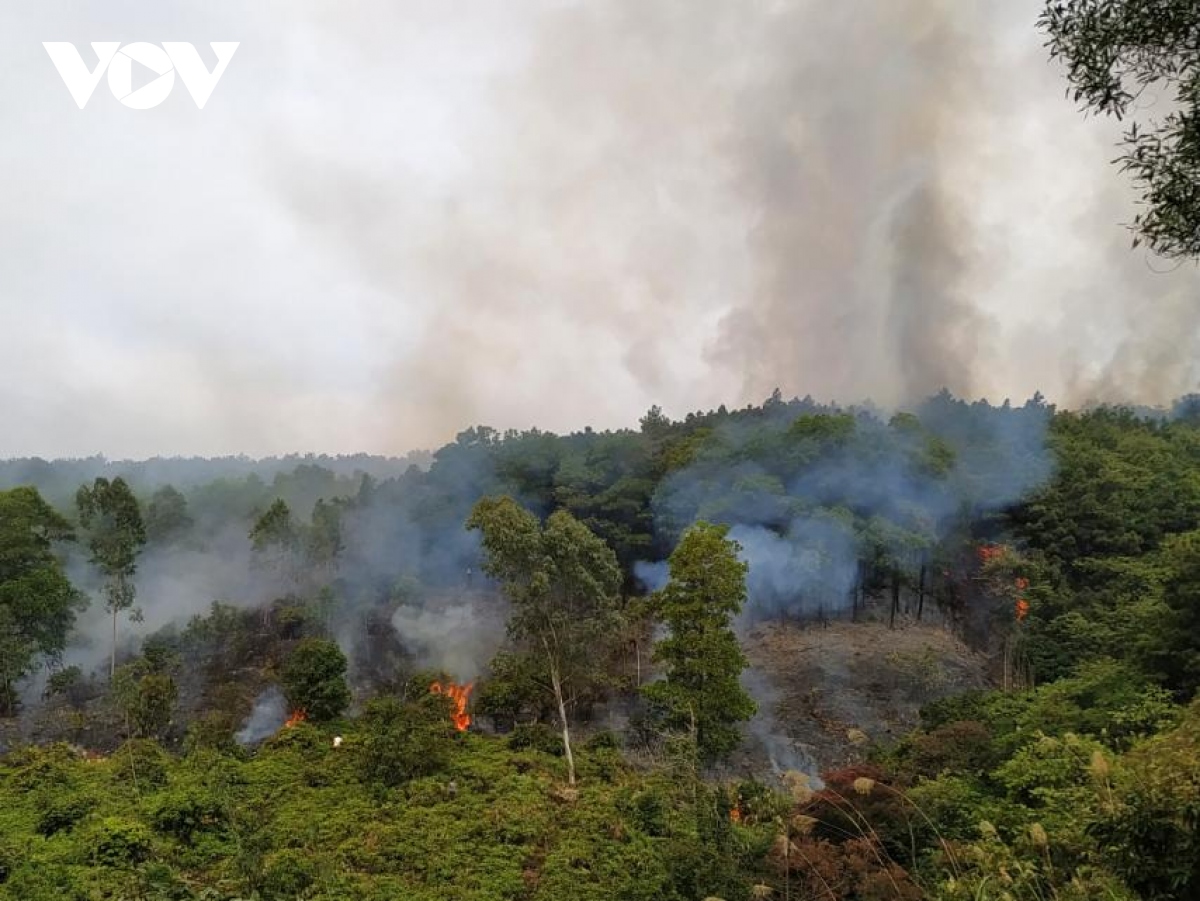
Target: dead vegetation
835, 689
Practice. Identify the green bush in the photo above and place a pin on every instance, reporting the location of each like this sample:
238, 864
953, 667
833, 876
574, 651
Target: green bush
314, 680
41, 881
147, 699
604, 740
61, 811
402, 741
181, 813
536, 737
964, 746
118, 842
647, 811
287, 874
142, 763
1150, 830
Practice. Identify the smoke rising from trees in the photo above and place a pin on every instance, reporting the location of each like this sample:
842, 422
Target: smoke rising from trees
559, 213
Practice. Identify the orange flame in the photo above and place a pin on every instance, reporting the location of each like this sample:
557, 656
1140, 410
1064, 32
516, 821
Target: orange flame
298, 716
458, 695
735, 814
989, 552
1022, 609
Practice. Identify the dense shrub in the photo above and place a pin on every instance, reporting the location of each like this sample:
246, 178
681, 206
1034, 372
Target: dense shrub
119, 842
314, 680
536, 737
401, 741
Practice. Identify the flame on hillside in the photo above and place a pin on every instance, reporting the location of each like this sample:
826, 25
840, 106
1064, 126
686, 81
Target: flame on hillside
458, 695
990, 553
297, 717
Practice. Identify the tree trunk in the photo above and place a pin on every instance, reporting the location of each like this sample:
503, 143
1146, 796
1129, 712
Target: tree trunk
562, 718
895, 598
921, 593
856, 592
112, 668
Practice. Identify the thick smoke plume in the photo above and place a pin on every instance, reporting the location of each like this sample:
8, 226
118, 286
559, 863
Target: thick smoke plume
558, 212
863, 200
458, 637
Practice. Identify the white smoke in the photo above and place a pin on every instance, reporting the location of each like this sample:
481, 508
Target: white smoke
266, 718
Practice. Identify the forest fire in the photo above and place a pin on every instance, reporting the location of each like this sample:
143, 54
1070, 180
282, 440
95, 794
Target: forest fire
1022, 607
297, 717
992, 553
458, 695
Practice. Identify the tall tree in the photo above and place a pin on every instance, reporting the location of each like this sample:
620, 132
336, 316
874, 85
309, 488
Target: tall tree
701, 655
1178, 642
323, 543
275, 529
166, 515
1115, 52
277, 537
563, 582
116, 534
37, 601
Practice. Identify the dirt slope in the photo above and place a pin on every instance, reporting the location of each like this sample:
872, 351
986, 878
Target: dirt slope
827, 692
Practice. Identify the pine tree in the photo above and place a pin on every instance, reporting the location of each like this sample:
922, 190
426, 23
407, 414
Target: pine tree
701, 692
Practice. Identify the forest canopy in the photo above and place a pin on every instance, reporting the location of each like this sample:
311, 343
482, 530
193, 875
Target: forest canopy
531, 654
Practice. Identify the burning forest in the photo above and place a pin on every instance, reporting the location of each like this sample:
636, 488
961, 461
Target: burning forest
458, 695
751, 465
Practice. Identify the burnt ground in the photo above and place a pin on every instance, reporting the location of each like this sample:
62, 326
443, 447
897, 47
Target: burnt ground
826, 693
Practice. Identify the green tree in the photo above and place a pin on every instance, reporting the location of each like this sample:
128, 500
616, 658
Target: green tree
116, 534
1179, 637
403, 741
277, 537
1115, 52
147, 698
275, 529
1148, 831
166, 515
563, 582
701, 655
37, 601
323, 542
314, 679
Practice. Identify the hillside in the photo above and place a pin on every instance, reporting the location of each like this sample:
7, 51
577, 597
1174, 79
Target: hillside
832, 692
786, 651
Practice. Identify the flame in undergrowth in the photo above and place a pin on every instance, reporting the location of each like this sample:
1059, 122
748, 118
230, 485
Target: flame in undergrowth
298, 716
458, 695
992, 552
1022, 607
989, 552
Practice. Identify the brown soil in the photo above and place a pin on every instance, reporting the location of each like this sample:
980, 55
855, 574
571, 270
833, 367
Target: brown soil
831, 691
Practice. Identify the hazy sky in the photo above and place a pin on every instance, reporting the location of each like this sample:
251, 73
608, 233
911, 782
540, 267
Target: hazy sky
395, 219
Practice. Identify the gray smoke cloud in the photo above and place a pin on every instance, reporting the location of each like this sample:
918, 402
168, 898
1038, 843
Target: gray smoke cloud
810, 569
393, 219
266, 718
458, 637
846, 145
804, 535
174, 584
